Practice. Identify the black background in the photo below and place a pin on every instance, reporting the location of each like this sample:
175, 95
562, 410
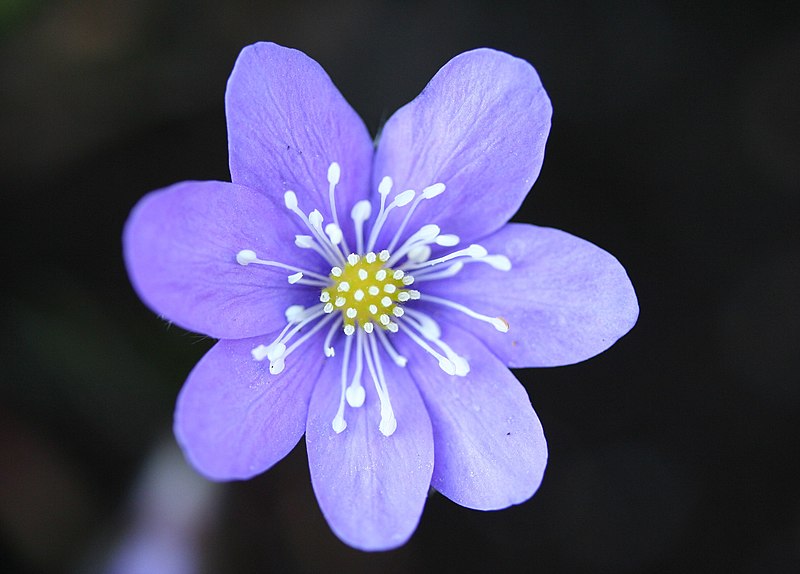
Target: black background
675, 146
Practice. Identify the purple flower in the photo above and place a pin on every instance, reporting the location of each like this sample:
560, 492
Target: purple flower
372, 296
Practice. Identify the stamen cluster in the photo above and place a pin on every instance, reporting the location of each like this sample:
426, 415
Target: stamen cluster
368, 293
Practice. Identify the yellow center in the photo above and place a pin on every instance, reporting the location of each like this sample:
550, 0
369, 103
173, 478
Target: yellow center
367, 292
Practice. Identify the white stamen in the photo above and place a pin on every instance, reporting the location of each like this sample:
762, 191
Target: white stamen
408, 280
246, 256
425, 324
404, 198
433, 274
419, 253
355, 392
334, 172
355, 395
360, 213
497, 322
327, 347
447, 240
295, 277
276, 351
384, 255
444, 363
259, 353
398, 274
385, 186
334, 232
500, 262
315, 217
388, 423
398, 311
433, 190
294, 313
290, 200
398, 359
338, 423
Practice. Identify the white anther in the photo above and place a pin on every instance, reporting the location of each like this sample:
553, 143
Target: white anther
373, 290
351, 312
362, 274
340, 301
425, 324
324, 297
388, 424
387, 302
447, 240
343, 286
349, 330
476, 250
328, 308
334, 172
361, 211
402, 297
393, 327
384, 255
500, 262
368, 327
398, 311
275, 351
315, 217
384, 319
276, 367
334, 233
380, 275
336, 271
413, 293
355, 395
500, 324
408, 280
295, 277
370, 257
433, 190
419, 253
294, 313
447, 366
304, 241
426, 233
259, 353
404, 198
373, 309
330, 352
389, 288
290, 200
338, 423
358, 295
246, 256
385, 186
352, 259
398, 274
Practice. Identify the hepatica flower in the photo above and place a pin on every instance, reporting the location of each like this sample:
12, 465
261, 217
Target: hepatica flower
372, 296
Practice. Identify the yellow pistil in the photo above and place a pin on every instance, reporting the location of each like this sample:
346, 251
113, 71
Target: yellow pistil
367, 293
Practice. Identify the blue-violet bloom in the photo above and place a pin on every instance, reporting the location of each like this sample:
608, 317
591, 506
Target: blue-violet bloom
373, 295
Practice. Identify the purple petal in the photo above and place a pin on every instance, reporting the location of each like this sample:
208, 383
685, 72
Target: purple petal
286, 123
180, 246
371, 488
234, 419
480, 128
489, 445
565, 299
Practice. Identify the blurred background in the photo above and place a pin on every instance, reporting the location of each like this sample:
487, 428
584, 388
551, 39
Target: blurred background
675, 146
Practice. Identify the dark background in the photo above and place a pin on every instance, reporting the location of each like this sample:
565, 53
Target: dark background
675, 146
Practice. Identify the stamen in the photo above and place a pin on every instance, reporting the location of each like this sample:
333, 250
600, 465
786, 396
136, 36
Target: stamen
475, 251
497, 322
447, 240
326, 346
338, 423
398, 359
355, 392
248, 256
400, 200
388, 422
334, 174
360, 213
328, 250
444, 363
294, 313
433, 274
429, 192
295, 277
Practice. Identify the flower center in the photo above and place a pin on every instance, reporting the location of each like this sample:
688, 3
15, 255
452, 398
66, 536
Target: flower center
368, 293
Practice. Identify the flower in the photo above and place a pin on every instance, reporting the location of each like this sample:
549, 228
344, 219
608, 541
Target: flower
373, 296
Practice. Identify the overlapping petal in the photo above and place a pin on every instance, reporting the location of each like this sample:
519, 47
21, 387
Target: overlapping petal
371, 488
565, 299
480, 128
180, 246
490, 450
234, 419
287, 122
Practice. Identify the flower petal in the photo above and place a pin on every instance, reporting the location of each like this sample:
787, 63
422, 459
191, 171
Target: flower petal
565, 299
489, 445
480, 128
287, 122
180, 246
234, 419
371, 488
